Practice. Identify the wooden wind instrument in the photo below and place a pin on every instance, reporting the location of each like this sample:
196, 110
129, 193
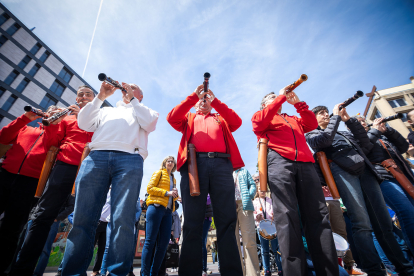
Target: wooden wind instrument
262, 163
85, 153
193, 171
47, 167
301, 79
327, 174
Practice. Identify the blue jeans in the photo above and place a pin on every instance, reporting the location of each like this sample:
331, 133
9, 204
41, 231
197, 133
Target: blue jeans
44, 257
403, 205
213, 256
363, 198
264, 244
159, 220
98, 171
104, 269
311, 268
206, 227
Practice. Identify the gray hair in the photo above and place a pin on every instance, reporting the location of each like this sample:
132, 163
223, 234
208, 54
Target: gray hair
255, 175
359, 117
264, 100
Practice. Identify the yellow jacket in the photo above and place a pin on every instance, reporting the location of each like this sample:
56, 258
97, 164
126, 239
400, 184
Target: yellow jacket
157, 187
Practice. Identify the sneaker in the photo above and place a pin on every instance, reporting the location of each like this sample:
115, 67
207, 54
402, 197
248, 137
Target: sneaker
353, 270
204, 273
59, 273
268, 273
209, 271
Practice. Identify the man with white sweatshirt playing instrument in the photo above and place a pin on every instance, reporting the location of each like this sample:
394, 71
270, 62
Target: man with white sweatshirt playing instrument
118, 150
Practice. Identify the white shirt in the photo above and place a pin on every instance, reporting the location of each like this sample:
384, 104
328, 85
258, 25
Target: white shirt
106, 210
122, 128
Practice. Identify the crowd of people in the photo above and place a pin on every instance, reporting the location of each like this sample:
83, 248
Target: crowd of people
373, 178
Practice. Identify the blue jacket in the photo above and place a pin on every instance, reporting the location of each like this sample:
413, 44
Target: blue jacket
247, 189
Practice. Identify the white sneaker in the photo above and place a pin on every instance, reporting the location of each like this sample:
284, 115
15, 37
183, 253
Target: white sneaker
209, 271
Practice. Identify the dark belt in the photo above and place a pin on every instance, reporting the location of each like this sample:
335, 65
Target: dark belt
213, 155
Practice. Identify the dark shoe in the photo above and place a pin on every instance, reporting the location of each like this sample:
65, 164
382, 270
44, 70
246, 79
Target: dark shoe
131, 274
59, 273
268, 273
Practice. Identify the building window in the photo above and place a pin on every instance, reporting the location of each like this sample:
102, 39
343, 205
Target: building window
57, 88
3, 18
22, 85
3, 40
36, 48
24, 62
34, 70
65, 74
2, 90
44, 57
397, 102
47, 101
13, 29
8, 104
405, 117
10, 78
377, 114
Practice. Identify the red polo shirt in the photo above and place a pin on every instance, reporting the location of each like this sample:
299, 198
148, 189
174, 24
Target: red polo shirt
207, 135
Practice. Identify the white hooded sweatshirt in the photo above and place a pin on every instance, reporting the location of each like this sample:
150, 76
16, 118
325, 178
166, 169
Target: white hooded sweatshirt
121, 128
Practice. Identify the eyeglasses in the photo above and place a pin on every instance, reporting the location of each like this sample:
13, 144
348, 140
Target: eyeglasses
256, 180
170, 161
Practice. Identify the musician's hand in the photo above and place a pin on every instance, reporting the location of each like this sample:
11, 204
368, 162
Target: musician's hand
292, 98
75, 109
284, 90
53, 112
130, 94
379, 125
210, 95
173, 193
200, 91
259, 217
32, 116
344, 115
106, 91
335, 111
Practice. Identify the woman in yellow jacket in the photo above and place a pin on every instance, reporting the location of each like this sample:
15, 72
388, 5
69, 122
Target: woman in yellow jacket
161, 204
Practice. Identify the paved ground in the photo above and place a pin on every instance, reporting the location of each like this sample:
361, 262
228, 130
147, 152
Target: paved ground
211, 266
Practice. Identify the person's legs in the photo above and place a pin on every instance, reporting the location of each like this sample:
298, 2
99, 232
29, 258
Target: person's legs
338, 226
100, 236
403, 205
222, 196
44, 257
16, 194
349, 187
104, 268
239, 210
264, 245
92, 185
28, 225
247, 228
194, 208
275, 248
162, 242
57, 190
131, 270
315, 220
282, 184
382, 224
206, 227
381, 253
126, 172
154, 217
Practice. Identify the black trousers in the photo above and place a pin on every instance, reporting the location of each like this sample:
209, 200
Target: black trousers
100, 239
57, 190
215, 176
296, 184
16, 200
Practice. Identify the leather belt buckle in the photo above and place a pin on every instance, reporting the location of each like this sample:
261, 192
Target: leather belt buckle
211, 154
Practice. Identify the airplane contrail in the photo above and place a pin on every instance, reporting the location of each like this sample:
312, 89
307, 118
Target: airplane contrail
93, 34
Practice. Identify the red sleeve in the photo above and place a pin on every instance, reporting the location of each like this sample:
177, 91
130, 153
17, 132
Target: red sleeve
233, 120
8, 134
177, 116
307, 118
54, 134
262, 118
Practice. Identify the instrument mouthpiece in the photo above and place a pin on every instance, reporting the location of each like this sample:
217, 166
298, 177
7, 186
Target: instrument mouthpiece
102, 77
27, 108
207, 75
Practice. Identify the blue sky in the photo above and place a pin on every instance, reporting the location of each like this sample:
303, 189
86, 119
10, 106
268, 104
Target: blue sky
250, 48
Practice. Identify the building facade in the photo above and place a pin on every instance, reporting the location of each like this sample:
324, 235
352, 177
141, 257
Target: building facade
30, 72
390, 101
